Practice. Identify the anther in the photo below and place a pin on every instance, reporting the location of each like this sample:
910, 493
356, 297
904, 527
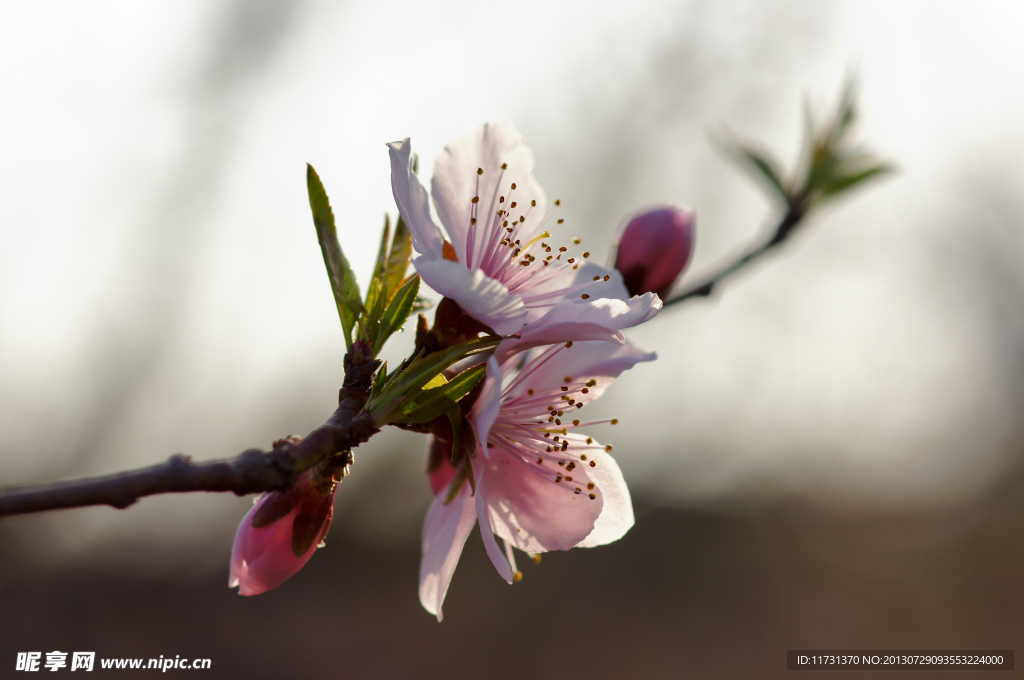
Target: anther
549, 449
583, 457
562, 249
578, 491
593, 463
476, 199
564, 388
568, 379
606, 277
585, 296
587, 254
504, 166
558, 202
533, 204
576, 241
608, 448
597, 278
559, 413
479, 171
576, 422
590, 486
592, 497
568, 478
501, 200
571, 260
530, 391
558, 422
589, 440
517, 577
585, 390
540, 461
568, 344
560, 221
513, 186
557, 480
513, 203
615, 421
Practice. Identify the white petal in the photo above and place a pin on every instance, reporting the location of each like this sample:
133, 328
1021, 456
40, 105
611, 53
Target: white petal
412, 201
570, 279
617, 514
444, 533
481, 297
456, 181
578, 320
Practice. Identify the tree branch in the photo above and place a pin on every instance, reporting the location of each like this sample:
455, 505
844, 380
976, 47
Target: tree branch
252, 471
795, 212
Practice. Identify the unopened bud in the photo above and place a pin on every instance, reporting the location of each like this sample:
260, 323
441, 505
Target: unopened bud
280, 533
655, 248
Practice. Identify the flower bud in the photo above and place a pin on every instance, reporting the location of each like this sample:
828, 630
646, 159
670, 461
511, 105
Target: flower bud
654, 249
280, 533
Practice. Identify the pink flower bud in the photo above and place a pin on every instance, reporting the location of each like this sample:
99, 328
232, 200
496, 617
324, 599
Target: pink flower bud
279, 535
654, 249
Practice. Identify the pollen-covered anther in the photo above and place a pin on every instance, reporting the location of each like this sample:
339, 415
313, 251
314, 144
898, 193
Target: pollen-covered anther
549, 449
557, 421
576, 422
530, 391
583, 457
535, 558
540, 460
578, 491
607, 276
597, 278
501, 200
517, 577
558, 201
564, 388
568, 344
585, 296
560, 413
615, 421
585, 390
570, 466
504, 166
587, 254
557, 480
590, 486
608, 448
479, 171
591, 382
593, 463
513, 203
568, 478
533, 204
476, 199
589, 440
593, 496
576, 241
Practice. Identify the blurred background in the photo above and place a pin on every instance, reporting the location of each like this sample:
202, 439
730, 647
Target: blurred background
828, 454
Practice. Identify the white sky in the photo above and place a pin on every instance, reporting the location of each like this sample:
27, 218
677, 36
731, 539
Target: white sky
150, 200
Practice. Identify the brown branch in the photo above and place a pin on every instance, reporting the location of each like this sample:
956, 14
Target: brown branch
252, 471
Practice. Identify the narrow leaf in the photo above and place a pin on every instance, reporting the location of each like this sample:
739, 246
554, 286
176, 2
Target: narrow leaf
398, 259
437, 401
343, 280
847, 182
397, 313
767, 170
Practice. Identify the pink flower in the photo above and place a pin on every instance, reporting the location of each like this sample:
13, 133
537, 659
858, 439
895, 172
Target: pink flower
537, 485
501, 266
655, 249
279, 535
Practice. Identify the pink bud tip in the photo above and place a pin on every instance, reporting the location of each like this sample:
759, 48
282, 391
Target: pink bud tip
655, 248
279, 535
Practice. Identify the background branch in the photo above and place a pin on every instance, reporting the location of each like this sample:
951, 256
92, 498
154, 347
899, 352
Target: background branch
252, 471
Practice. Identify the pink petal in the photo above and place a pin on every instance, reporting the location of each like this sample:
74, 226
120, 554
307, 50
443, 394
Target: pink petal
584, 276
496, 554
262, 559
456, 181
533, 512
412, 202
579, 320
444, 533
600, 362
617, 513
483, 298
488, 403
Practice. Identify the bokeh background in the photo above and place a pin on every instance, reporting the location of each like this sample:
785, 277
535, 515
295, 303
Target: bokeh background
828, 454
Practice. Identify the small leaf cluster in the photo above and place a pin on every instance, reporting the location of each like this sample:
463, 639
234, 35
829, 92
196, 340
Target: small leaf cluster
830, 165
417, 391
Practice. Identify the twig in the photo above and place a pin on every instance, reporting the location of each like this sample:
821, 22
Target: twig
795, 212
252, 471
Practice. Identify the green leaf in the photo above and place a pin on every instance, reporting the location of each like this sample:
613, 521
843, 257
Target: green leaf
455, 420
847, 182
437, 401
382, 253
409, 379
378, 383
767, 170
343, 280
375, 308
398, 258
397, 313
